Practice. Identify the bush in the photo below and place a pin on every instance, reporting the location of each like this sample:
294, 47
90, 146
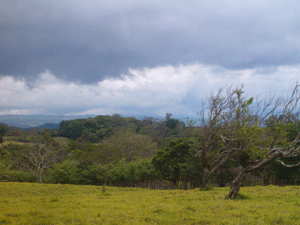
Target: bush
119, 174
17, 176
66, 172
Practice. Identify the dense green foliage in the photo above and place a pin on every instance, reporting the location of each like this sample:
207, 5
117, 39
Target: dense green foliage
105, 149
235, 144
134, 174
129, 152
177, 163
95, 129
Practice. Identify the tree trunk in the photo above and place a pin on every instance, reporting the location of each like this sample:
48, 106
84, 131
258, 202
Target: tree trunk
236, 184
222, 176
205, 179
40, 172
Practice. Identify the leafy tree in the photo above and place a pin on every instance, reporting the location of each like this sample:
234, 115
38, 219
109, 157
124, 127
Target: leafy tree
172, 123
12, 156
3, 129
98, 128
87, 153
174, 161
75, 128
132, 145
66, 172
48, 132
134, 173
277, 174
155, 128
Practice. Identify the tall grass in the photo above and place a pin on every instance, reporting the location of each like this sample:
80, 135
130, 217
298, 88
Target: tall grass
29, 203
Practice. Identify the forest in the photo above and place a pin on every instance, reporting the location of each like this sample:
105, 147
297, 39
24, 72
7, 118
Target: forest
237, 141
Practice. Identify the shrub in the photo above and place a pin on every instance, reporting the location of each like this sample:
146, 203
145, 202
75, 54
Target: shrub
17, 176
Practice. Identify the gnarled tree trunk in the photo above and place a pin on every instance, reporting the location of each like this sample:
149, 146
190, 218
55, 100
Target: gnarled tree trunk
205, 178
237, 183
39, 175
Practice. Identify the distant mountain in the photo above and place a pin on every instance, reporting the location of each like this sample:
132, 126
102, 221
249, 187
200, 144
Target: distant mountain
49, 125
29, 121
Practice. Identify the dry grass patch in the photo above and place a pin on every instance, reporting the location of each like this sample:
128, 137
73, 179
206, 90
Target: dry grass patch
62, 140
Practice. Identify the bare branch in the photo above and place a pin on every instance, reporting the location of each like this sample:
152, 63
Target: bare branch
289, 166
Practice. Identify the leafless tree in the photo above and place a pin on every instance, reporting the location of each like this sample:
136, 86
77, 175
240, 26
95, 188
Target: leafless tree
216, 113
43, 155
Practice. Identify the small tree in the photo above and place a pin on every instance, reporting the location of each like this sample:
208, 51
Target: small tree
174, 161
3, 130
133, 146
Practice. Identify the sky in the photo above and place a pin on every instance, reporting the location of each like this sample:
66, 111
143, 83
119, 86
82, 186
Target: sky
138, 57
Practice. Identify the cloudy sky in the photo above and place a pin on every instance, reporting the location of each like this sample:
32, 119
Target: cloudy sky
138, 57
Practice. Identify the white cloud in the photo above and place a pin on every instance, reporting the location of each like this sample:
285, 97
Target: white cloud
149, 91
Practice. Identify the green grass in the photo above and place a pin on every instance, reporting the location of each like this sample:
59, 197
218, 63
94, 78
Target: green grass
27, 203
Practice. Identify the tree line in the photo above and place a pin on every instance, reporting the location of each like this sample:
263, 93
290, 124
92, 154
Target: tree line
239, 141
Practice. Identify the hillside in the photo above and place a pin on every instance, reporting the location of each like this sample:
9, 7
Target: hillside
49, 125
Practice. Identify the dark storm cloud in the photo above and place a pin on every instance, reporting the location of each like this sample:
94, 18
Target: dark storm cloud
91, 40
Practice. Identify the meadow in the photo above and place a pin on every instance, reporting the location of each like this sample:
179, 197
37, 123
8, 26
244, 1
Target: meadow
32, 203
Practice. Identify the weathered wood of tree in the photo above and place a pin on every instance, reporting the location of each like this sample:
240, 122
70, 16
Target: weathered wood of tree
259, 136
43, 155
215, 115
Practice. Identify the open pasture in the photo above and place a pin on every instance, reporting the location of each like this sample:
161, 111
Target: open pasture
31, 203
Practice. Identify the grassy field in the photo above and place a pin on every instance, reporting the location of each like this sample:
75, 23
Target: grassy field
28, 203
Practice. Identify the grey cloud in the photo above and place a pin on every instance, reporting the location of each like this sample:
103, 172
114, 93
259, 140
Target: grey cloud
143, 92
92, 40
